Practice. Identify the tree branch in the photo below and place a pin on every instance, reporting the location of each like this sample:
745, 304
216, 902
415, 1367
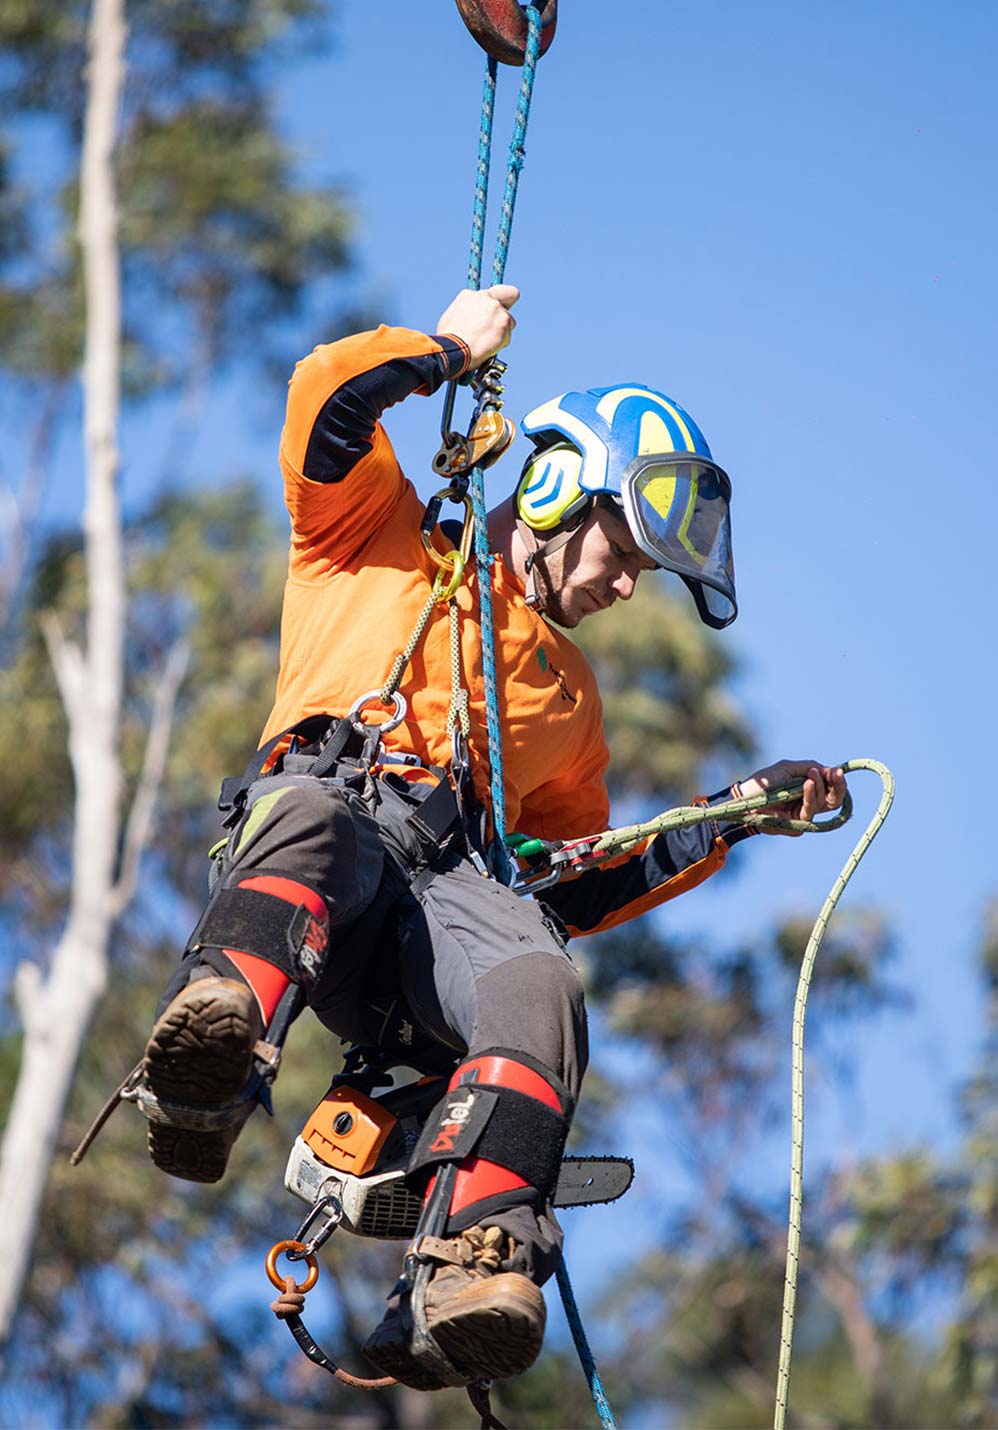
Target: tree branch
842, 1290
27, 981
139, 825
67, 662
20, 508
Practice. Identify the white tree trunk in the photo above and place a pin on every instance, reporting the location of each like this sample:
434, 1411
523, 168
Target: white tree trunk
57, 1007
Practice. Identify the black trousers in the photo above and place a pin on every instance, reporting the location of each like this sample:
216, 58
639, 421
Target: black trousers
464, 966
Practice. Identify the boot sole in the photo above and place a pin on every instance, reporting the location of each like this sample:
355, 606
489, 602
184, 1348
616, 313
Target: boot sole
201, 1053
494, 1329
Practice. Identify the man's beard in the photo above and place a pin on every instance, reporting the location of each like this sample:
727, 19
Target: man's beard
550, 602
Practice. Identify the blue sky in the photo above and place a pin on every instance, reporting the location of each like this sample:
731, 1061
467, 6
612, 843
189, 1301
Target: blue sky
782, 216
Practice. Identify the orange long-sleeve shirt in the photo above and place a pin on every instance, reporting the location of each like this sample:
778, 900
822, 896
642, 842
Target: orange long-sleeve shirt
358, 578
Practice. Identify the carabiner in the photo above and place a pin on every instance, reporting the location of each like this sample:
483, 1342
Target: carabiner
455, 561
500, 26
442, 558
398, 715
333, 1207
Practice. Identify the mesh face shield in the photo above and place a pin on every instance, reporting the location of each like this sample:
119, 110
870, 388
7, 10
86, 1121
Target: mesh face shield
677, 509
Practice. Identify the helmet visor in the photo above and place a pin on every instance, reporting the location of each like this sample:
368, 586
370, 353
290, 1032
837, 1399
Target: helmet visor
677, 508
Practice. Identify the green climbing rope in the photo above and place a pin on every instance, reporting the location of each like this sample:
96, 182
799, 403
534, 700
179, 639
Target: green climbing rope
797, 1077
748, 810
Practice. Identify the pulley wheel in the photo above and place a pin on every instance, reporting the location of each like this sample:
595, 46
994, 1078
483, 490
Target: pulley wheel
500, 26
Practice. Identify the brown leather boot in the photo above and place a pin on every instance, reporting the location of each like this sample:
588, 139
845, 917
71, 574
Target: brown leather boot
489, 1323
197, 1062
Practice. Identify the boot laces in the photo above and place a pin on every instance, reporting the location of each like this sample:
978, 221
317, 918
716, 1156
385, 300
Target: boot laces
487, 1249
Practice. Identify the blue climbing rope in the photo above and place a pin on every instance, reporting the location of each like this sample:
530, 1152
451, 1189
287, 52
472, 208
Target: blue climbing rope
582, 1346
516, 150
483, 557
482, 176
504, 869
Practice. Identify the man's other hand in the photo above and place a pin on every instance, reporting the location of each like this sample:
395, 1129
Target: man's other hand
824, 790
481, 319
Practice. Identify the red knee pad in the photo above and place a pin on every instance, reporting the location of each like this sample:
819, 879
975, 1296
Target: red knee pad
504, 1121
273, 930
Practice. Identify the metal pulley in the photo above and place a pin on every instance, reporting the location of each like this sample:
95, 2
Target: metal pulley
489, 434
500, 26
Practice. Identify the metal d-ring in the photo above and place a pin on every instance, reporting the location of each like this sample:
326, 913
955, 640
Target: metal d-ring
353, 714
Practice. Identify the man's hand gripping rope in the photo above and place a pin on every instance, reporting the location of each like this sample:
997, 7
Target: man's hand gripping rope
782, 798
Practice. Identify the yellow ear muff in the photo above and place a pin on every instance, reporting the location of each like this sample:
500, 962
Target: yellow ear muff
549, 493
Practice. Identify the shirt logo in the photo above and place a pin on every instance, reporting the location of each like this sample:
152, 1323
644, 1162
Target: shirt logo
543, 660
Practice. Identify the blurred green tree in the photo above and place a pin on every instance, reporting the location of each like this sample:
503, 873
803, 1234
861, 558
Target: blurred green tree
167, 224
145, 1302
898, 1307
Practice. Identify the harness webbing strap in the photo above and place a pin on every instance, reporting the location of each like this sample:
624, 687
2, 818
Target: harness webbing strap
313, 727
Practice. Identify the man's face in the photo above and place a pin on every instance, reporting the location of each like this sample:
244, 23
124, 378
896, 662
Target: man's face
599, 564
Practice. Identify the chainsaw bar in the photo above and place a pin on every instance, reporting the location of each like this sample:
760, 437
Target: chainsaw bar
591, 1181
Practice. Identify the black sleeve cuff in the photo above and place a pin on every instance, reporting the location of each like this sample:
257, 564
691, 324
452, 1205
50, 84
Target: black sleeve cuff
455, 355
731, 833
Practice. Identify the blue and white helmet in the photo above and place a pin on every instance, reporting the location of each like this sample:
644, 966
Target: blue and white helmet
637, 447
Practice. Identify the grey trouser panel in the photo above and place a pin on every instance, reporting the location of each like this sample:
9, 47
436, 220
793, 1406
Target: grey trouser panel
479, 967
476, 966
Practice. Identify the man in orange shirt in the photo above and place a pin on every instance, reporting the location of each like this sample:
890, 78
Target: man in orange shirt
359, 875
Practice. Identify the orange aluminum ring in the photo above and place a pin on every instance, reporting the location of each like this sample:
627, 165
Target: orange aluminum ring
310, 1261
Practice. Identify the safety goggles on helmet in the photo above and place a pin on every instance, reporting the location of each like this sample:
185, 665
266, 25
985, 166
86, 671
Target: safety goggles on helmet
676, 506
642, 451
